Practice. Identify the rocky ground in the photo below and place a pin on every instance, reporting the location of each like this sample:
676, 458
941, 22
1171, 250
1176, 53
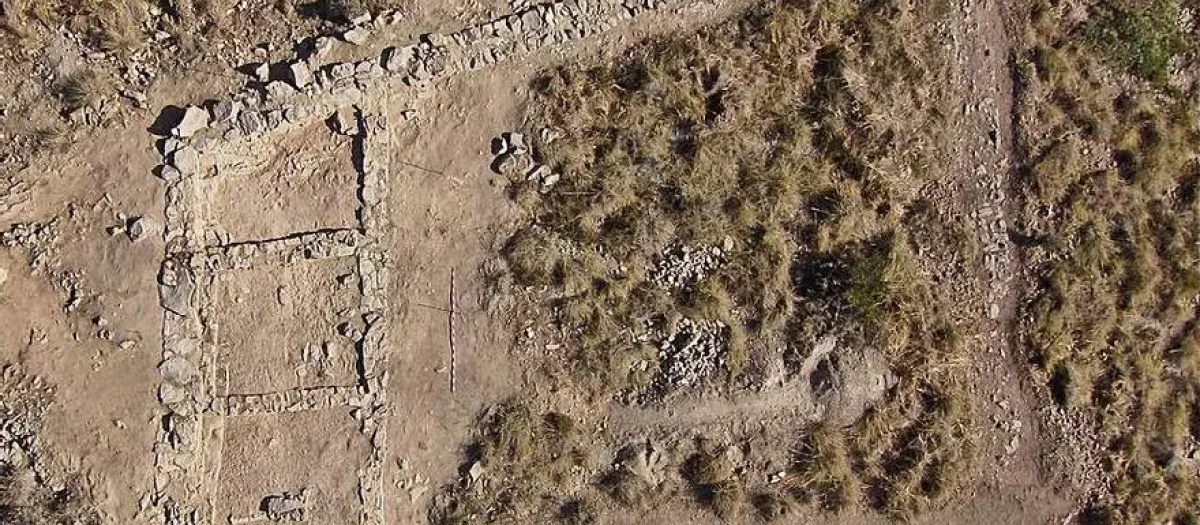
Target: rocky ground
437, 262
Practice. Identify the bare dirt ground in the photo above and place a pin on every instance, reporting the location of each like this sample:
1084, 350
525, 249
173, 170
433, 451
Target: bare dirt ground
302, 305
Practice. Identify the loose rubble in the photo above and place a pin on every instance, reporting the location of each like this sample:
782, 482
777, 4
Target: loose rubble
692, 353
24, 401
682, 266
286, 507
512, 159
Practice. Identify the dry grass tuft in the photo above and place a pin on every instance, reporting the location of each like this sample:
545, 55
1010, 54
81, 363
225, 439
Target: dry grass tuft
714, 478
529, 460
82, 89
23, 501
797, 136
109, 25
825, 472
1111, 214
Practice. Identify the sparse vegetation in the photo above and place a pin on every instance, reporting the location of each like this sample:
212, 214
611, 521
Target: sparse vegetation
1111, 218
82, 89
23, 501
336, 11
109, 25
1141, 36
715, 481
793, 137
525, 461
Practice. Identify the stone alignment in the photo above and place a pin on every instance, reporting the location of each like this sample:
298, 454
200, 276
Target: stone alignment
194, 389
193, 392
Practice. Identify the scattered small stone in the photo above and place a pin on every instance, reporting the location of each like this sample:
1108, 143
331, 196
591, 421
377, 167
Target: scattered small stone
175, 291
279, 90
341, 71
350, 332
171, 145
286, 507
225, 110
516, 142
476, 471
138, 98
178, 371
549, 135
346, 122
538, 173
251, 122
367, 69
3, 275
169, 173
322, 47
127, 345
508, 165
170, 394
1013, 445
397, 59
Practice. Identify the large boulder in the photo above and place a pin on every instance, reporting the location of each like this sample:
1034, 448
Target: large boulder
194, 119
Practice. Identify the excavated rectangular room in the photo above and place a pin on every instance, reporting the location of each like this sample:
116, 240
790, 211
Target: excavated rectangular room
276, 327
317, 452
275, 186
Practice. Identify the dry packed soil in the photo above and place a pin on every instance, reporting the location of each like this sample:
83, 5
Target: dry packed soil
599, 261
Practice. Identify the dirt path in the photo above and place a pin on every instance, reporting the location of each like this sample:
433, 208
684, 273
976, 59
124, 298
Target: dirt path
1009, 442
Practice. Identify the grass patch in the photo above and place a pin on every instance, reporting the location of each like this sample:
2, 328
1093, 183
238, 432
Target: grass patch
81, 89
1114, 311
715, 482
709, 141
527, 462
109, 25
793, 139
1142, 37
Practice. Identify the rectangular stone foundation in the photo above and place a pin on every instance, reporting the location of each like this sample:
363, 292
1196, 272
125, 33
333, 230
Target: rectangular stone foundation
319, 452
276, 328
303, 181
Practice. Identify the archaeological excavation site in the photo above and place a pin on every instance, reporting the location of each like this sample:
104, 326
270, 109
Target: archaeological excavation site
368, 262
